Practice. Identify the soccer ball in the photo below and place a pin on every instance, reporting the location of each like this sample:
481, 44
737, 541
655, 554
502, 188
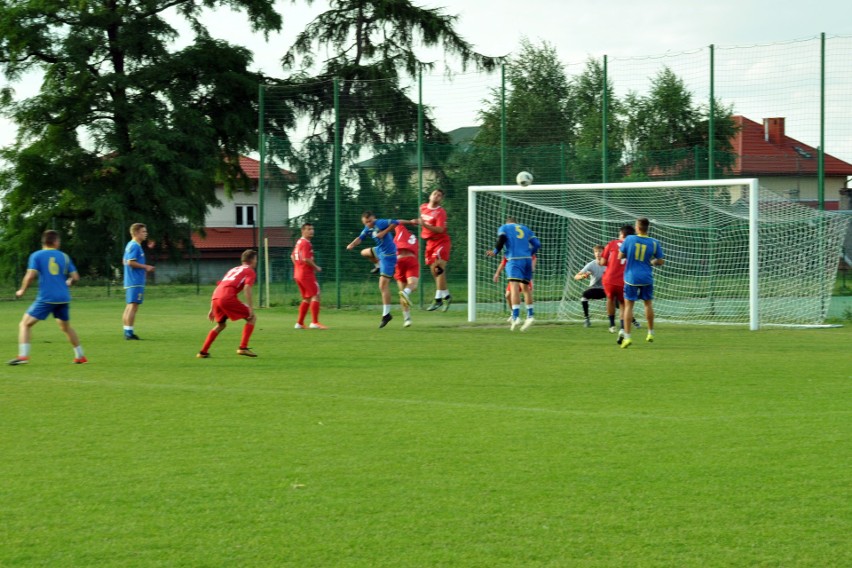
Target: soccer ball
524, 179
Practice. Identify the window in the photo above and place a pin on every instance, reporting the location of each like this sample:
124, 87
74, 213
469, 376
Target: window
245, 215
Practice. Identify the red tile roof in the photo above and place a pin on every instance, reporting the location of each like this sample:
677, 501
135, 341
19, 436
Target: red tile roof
756, 156
252, 169
239, 239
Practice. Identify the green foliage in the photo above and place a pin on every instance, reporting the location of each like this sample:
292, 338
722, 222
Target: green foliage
358, 97
124, 129
667, 134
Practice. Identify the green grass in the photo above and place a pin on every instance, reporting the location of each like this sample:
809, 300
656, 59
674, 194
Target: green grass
444, 444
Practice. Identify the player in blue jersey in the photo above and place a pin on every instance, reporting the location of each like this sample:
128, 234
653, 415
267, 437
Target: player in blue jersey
55, 273
641, 253
135, 271
381, 231
520, 244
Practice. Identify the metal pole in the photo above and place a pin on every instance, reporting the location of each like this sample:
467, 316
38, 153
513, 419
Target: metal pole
821, 150
263, 300
604, 121
711, 132
753, 250
503, 124
420, 194
336, 174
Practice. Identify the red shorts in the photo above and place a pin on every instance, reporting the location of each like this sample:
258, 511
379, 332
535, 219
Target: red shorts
308, 286
614, 291
529, 285
406, 267
437, 249
229, 308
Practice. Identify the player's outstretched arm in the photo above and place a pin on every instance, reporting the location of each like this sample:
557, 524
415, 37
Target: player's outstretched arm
354, 243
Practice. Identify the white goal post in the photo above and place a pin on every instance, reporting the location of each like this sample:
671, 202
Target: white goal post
736, 253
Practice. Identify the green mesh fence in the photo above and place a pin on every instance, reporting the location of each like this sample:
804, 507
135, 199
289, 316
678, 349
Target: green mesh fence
338, 169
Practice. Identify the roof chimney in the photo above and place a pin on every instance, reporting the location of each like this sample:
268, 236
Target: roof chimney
773, 130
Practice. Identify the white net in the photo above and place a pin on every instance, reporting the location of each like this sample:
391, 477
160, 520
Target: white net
704, 228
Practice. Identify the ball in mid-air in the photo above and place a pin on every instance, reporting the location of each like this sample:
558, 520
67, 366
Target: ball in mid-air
524, 179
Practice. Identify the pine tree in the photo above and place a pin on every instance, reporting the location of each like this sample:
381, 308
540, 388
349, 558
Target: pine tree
125, 128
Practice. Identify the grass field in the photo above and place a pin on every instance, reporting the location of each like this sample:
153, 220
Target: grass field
444, 444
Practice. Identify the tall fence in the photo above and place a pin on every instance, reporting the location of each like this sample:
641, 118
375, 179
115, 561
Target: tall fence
804, 86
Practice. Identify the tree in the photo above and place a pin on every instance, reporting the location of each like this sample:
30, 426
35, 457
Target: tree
587, 102
539, 117
668, 133
124, 128
374, 47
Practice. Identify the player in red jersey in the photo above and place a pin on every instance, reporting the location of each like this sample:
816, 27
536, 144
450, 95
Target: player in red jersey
407, 272
613, 278
433, 223
226, 305
304, 273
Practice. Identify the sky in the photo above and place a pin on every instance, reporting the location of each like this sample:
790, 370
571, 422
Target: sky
621, 29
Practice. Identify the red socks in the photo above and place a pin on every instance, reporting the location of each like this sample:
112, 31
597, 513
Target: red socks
315, 306
247, 331
211, 337
303, 311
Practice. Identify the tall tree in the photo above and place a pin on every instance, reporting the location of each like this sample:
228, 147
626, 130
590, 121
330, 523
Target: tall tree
125, 128
374, 46
587, 100
540, 121
667, 133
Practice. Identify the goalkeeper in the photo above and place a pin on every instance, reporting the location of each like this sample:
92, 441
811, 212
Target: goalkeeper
594, 272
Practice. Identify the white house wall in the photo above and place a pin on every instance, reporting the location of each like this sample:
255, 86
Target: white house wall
275, 214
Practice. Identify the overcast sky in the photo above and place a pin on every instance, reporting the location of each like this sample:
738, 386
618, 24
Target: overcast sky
621, 29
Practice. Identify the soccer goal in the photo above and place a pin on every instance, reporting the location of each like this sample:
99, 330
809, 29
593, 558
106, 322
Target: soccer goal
735, 253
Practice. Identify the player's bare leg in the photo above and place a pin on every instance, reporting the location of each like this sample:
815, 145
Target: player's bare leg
371, 257
384, 288
649, 319
528, 300
74, 339
442, 293
24, 335
515, 299
627, 314
129, 319
405, 290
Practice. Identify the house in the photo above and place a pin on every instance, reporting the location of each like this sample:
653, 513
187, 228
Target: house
233, 227
784, 164
459, 138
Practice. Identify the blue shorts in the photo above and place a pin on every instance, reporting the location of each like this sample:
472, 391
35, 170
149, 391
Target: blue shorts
387, 264
519, 269
636, 293
40, 310
135, 294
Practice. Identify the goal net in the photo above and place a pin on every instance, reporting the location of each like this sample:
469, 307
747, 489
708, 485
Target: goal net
735, 253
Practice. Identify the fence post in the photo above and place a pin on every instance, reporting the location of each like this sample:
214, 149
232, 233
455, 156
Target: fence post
503, 124
261, 183
711, 126
336, 174
821, 150
604, 122
419, 165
